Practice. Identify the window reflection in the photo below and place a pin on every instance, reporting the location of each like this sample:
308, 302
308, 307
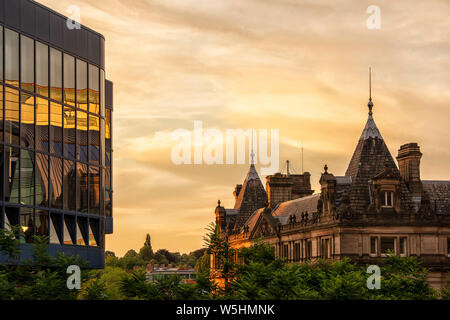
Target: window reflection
69, 117
11, 57
82, 136
11, 116
55, 74
27, 177
55, 228
82, 85
69, 80
1, 111
82, 183
27, 63
102, 92
69, 229
41, 69
27, 120
42, 223
1, 53
56, 170
26, 223
2, 170
56, 145
42, 127
13, 174
42, 176
94, 139
94, 190
70, 184
81, 231
93, 232
94, 94
11, 217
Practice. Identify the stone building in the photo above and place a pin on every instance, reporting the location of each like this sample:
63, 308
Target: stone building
375, 208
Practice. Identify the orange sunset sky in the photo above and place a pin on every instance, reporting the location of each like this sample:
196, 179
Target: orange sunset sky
294, 65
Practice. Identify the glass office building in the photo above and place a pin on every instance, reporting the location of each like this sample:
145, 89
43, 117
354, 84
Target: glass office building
55, 131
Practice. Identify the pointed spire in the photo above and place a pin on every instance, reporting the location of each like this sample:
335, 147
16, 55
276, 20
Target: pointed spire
370, 105
252, 154
370, 130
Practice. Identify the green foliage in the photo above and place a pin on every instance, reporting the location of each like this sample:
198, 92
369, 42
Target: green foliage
146, 252
9, 242
264, 277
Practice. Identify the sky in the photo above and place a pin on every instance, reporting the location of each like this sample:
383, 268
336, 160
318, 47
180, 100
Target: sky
294, 65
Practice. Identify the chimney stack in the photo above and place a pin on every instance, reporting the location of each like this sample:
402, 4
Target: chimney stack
408, 159
278, 189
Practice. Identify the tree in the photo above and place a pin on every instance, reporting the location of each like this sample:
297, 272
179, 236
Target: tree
225, 266
146, 252
130, 254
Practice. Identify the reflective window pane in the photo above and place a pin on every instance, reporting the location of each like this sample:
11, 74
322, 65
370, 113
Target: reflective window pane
42, 223
82, 184
12, 57
27, 63
94, 139
2, 170
94, 190
56, 170
41, 69
82, 85
56, 134
1, 53
94, 92
27, 177
102, 92
27, 120
93, 232
55, 74
11, 116
56, 228
1, 111
69, 119
41, 183
70, 184
42, 124
11, 216
69, 229
12, 174
82, 136
69, 80
27, 224
81, 231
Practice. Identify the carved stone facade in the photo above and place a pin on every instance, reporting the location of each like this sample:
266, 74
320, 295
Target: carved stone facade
375, 208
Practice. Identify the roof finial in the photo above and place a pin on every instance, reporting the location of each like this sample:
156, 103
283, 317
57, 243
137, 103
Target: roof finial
218, 203
370, 92
326, 169
287, 168
252, 154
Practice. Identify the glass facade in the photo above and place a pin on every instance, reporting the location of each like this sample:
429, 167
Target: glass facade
55, 143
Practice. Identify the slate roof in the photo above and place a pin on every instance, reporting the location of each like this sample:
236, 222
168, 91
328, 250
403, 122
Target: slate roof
439, 193
297, 207
371, 157
251, 197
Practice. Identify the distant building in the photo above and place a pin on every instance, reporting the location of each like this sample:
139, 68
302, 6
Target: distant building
375, 208
55, 131
157, 272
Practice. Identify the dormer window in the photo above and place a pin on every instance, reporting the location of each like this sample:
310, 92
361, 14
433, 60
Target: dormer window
387, 199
